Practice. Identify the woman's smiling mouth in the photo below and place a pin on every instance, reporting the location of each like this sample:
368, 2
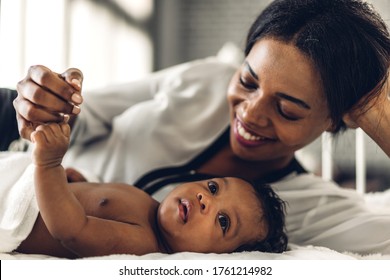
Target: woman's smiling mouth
248, 138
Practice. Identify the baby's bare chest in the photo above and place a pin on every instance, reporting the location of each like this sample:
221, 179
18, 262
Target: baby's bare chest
119, 204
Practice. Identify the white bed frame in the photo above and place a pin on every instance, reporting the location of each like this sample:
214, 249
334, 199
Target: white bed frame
327, 159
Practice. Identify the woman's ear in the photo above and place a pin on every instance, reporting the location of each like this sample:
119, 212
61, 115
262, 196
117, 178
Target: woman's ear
349, 122
332, 127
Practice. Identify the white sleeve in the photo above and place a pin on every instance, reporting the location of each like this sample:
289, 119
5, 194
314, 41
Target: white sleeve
321, 213
101, 106
163, 121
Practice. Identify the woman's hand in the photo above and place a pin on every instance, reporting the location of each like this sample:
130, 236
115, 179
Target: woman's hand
373, 117
45, 96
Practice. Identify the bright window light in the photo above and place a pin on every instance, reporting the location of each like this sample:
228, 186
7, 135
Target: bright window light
79, 33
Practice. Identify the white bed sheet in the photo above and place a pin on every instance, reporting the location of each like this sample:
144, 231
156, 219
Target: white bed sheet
294, 253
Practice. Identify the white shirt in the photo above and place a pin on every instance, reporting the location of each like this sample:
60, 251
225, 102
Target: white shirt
167, 119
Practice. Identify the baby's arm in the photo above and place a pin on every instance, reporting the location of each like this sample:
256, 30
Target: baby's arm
65, 217
61, 211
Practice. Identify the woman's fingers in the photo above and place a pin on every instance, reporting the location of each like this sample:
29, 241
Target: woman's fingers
45, 99
35, 113
29, 116
45, 96
74, 77
52, 82
26, 128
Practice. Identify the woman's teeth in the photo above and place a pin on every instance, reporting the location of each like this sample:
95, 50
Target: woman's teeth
247, 135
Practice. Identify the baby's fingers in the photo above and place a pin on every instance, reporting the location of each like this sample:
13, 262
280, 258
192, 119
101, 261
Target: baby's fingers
56, 133
65, 128
50, 132
38, 136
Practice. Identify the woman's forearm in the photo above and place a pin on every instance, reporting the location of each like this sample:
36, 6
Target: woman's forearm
377, 126
376, 120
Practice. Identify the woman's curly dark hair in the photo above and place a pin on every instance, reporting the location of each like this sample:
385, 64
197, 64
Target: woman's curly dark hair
274, 214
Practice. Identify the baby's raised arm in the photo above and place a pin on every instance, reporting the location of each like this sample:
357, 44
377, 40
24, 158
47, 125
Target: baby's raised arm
64, 215
61, 211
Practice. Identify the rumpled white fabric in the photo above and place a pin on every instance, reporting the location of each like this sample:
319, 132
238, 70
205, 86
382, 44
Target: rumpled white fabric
18, 206
321, 213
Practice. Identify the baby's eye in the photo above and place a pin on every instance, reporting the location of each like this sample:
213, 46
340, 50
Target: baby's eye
213, 187
224, 222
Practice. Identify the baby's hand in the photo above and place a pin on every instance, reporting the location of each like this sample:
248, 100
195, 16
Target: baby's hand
50, 144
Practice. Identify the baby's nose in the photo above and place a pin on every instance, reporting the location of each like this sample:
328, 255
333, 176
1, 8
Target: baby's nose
203, 201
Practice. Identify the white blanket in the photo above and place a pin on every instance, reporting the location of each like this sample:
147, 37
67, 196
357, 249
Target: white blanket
294, 253
18, 207
321, 213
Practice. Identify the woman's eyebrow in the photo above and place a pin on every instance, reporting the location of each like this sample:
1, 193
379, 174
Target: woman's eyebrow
297, 101
249, 68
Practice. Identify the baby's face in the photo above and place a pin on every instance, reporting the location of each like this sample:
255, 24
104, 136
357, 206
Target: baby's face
211, 216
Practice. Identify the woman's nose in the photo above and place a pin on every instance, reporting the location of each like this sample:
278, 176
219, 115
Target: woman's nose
255, 111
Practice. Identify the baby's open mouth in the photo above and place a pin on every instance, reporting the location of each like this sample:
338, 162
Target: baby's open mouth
184, 209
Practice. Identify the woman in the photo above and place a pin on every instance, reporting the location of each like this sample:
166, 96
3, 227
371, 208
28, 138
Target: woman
308, 67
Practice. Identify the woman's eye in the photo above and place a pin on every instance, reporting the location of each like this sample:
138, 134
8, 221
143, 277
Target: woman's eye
247, 85
213, 187
223, 222
287, 116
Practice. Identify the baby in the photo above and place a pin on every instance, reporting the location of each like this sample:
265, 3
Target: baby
83, 219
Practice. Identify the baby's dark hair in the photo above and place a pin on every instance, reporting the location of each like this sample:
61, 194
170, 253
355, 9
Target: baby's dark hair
274, 214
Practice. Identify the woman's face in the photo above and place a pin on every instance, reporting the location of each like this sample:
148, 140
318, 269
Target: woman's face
276, 101
216, 215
